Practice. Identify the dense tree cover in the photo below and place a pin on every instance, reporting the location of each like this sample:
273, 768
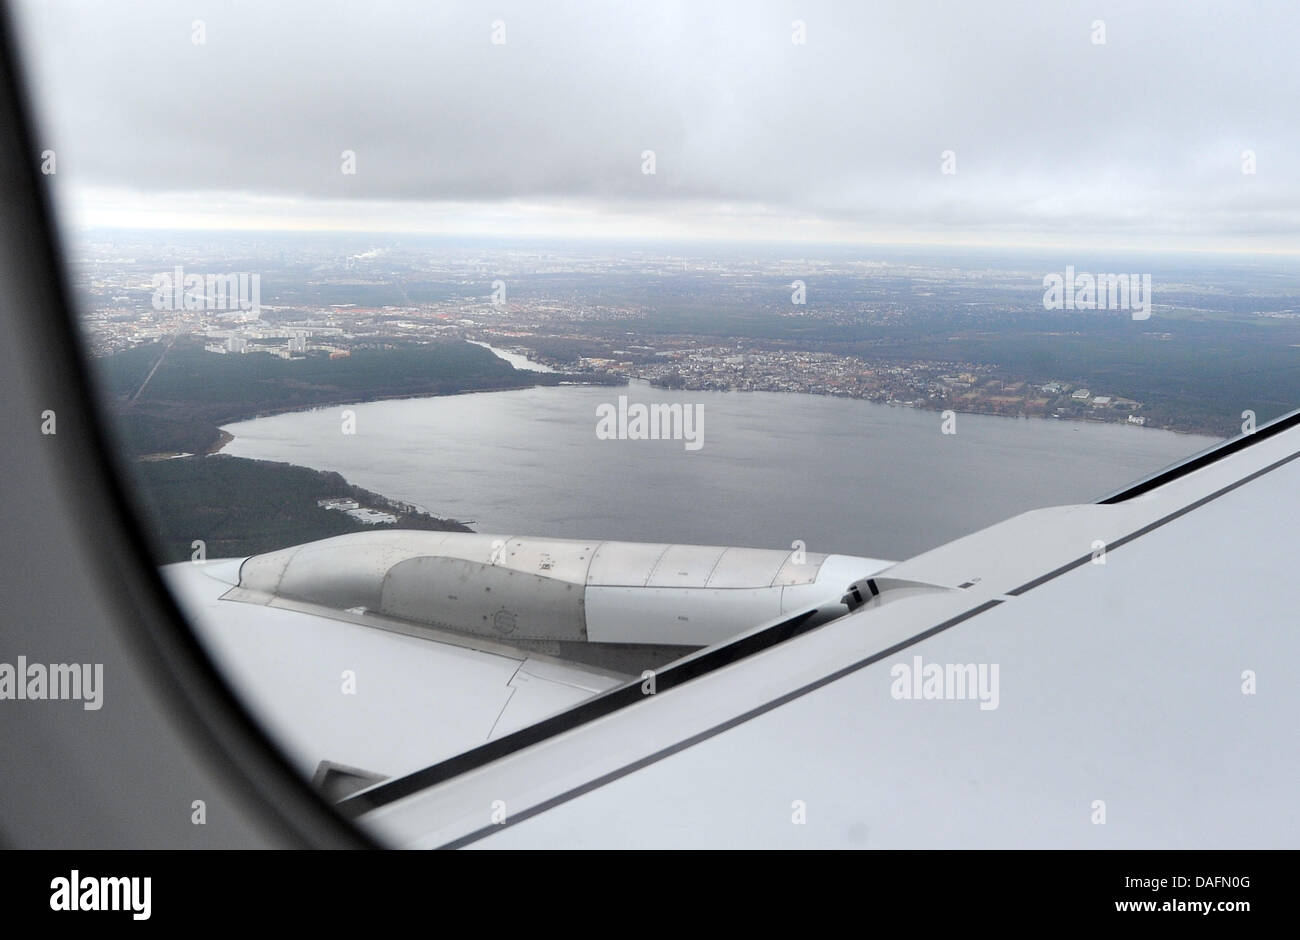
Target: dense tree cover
193, 391
228, 387
241, 507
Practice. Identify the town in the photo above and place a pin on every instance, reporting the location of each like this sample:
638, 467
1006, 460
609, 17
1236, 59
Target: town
883, 331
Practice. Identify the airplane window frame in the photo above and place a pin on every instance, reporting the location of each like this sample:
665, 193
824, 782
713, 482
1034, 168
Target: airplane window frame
170, 651
91, 477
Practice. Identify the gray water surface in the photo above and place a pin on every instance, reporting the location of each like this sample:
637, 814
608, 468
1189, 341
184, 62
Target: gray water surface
841, 475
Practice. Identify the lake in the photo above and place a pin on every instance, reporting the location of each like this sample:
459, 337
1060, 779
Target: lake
841, 475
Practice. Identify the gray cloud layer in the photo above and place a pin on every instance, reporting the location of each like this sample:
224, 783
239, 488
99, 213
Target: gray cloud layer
1053, 134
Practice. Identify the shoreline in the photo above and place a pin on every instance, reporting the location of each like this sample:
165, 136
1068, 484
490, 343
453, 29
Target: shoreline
628, 381
492, 427
227, 437
637, 380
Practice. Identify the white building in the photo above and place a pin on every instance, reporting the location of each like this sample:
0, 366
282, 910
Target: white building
339, 502
372, 516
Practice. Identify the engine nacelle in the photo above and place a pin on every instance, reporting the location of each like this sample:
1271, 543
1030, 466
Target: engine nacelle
535, 589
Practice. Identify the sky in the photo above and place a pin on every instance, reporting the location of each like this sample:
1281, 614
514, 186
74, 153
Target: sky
1050, 137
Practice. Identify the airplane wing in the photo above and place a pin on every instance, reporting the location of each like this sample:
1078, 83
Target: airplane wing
386, 651
1117, 674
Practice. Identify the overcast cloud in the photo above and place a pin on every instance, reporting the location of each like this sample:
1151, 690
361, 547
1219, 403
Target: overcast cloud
1056, 138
